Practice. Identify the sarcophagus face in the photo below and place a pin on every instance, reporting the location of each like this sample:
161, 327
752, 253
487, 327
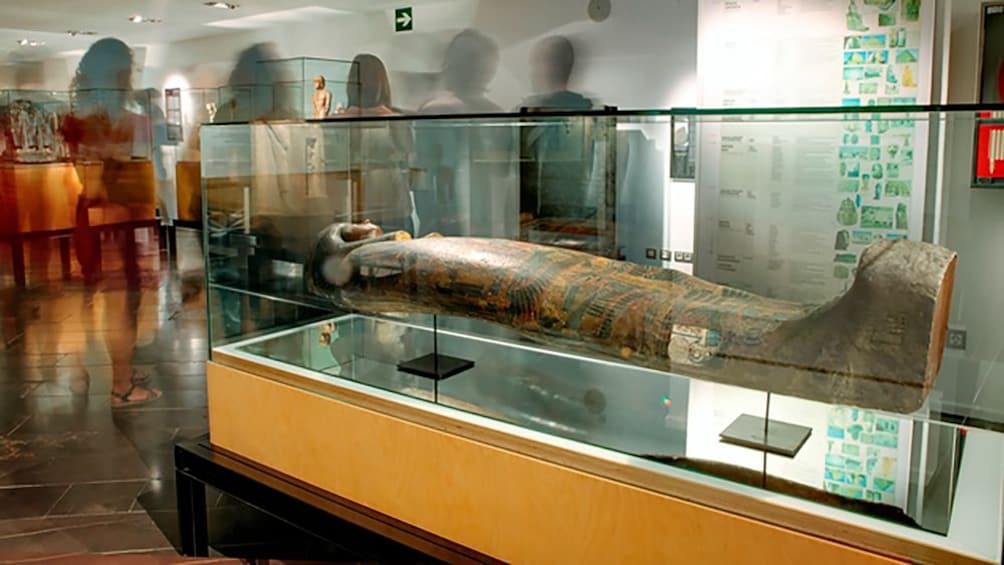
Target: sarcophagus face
879, 345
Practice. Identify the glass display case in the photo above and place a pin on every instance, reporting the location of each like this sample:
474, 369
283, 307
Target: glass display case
814, 317
42, 126
294, 88
31, 125
110, 136
304, 87
198, 106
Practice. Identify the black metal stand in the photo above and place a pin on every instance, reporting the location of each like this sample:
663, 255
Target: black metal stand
435, 366
192, 514
321, 514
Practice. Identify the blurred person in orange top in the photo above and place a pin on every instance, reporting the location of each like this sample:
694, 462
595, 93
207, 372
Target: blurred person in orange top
109, 137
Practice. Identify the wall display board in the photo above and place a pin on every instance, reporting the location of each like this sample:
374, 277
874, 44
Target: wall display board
173, 114
786, 208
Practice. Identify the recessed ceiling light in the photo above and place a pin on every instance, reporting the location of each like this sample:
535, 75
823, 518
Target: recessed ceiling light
138, 19
30, 43
222, 5
280, 17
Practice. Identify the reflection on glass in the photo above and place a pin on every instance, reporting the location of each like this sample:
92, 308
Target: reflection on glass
776, 230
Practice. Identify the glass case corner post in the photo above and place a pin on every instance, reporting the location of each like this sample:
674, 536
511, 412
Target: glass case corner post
435, 366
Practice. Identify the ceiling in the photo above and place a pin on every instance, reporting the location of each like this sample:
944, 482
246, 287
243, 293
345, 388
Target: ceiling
49, 20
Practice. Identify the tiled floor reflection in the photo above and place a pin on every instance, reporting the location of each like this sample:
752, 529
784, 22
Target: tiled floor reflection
77, 476
80, 478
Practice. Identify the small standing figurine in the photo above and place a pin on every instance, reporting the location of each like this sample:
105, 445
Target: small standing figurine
322, 98
211, 109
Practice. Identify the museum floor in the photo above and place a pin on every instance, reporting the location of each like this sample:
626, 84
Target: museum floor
77, 476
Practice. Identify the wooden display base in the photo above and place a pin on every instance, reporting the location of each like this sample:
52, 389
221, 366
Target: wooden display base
513, 497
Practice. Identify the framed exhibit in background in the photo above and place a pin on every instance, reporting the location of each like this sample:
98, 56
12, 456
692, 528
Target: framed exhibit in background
172, 114
683, 164
988, 153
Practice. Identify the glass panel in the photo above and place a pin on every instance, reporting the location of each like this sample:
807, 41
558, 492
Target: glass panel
288, 88
106, 135
754, 302
32, 118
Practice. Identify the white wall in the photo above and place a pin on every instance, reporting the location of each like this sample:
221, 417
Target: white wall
644, 55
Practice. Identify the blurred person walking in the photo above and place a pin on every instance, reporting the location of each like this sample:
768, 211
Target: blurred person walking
381, 148
109, 136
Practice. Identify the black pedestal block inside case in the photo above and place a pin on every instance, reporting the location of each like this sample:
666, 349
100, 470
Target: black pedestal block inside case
435, 366
781, 438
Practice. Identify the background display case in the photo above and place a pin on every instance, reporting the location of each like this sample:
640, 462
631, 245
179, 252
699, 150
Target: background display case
59, 148
32, 132
286, 86
784, 204
78, 142
198, 106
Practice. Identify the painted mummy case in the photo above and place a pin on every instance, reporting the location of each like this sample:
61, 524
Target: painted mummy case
879, 345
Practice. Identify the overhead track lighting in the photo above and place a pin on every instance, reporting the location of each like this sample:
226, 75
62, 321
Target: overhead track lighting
222, 5
138, 19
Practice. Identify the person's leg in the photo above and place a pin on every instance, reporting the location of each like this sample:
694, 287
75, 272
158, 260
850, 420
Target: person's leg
120, 312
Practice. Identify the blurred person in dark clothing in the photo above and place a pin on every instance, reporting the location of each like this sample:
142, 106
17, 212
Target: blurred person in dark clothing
469, 66
557, 184
551, 64
448, 152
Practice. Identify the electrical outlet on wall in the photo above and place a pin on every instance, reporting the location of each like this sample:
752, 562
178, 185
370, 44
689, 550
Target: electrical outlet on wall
651, 253
956, 338
683, 257
666, 255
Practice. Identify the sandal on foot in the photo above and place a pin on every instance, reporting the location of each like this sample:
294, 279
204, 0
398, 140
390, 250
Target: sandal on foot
124, 398
139, 378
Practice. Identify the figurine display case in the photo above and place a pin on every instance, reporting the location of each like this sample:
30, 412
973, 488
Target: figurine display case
286, 88
59, 147
812, 356
32, 125
198, 106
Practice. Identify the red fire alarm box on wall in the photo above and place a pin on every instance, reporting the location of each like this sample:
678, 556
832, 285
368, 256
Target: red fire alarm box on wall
989, 151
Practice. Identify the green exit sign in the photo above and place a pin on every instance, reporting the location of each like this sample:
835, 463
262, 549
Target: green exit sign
403, 20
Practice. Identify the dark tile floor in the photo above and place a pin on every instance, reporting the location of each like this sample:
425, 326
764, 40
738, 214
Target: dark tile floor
76, 476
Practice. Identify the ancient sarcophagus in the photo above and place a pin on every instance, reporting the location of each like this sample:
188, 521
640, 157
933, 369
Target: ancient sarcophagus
879, 345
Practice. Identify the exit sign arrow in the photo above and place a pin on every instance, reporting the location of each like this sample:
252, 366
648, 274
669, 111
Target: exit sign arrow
403, 19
